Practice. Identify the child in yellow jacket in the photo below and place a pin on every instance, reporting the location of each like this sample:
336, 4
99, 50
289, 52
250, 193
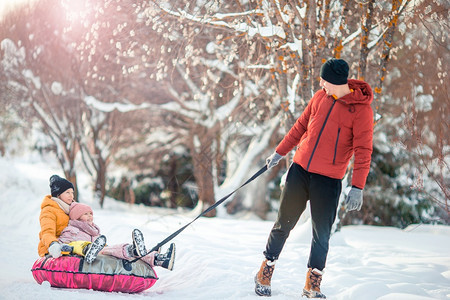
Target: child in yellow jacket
54, 218
54, 215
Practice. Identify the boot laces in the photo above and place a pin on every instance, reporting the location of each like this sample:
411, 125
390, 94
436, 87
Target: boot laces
315, 281
267, 272
160, 256
164, 256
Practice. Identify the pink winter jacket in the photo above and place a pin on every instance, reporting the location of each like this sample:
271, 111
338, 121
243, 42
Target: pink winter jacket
79, 231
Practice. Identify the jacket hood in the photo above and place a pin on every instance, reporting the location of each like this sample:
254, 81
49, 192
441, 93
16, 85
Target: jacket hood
362, 93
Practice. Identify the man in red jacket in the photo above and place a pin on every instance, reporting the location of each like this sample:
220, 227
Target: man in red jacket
336, 124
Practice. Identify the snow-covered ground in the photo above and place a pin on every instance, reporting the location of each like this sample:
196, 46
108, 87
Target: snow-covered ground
217, 258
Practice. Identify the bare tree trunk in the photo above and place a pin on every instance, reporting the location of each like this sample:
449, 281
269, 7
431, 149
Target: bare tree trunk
260, 194
203, 169
100, 183
172, 185
260, 191
366, 25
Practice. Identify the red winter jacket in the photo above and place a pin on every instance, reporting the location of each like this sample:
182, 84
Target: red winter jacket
330, 131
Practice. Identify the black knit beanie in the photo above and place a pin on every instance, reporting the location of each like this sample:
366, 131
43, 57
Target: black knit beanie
335, 71
59, 185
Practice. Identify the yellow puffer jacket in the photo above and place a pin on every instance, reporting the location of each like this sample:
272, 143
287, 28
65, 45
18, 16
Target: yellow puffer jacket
53, 220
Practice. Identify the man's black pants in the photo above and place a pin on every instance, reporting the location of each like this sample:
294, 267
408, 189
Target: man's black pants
323, 193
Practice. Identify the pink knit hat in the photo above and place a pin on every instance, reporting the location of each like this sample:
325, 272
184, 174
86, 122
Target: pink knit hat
78, 209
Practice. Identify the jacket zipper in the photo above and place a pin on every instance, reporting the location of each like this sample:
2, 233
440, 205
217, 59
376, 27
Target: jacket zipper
320, 134
335, 146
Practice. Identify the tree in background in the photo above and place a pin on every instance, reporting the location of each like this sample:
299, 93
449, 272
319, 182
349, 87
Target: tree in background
282, 44
409, 178
419, 116
45, 67
215, 80
201, 103
36, 88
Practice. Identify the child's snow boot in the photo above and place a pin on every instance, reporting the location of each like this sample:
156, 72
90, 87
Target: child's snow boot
167, 259
138, 243
92, 250
312, 285
79, 247
263, 278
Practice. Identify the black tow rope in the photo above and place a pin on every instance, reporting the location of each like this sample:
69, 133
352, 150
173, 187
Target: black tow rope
170, 237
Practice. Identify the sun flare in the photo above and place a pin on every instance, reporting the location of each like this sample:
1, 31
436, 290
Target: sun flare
7, 6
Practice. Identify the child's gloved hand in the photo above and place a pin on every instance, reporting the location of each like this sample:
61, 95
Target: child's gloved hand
66, 249
55, 249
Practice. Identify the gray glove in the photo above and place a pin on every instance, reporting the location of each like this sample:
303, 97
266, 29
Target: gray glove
55, 249
273, 160
354, 199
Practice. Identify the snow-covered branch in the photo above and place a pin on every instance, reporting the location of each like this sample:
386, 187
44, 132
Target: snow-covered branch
217, 21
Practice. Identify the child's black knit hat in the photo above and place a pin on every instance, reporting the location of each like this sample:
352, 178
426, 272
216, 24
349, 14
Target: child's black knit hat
59, 185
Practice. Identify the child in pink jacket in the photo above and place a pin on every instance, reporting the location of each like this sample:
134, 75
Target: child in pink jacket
82, 231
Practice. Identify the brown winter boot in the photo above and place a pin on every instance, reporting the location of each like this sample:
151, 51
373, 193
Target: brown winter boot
312, 284
263, 277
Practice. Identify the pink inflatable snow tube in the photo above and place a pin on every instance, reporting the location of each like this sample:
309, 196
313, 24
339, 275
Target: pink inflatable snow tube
106, 273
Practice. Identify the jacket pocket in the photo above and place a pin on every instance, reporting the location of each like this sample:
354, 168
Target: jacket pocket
336, 145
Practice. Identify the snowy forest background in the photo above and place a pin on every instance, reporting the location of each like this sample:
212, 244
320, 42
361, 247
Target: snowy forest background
177, 103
